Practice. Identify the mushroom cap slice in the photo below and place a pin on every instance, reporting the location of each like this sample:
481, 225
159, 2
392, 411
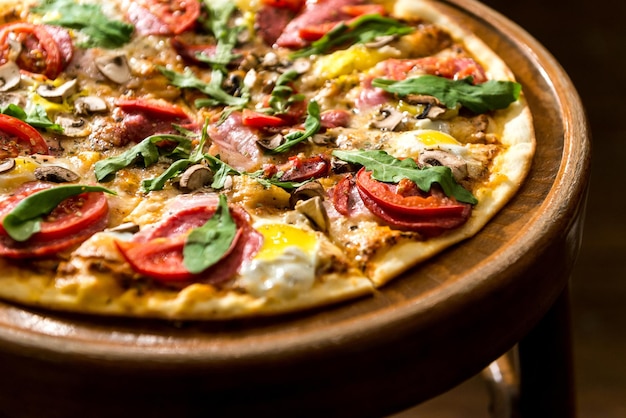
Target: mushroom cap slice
114, 67
58, 94
9, 76
195, 177
55, 174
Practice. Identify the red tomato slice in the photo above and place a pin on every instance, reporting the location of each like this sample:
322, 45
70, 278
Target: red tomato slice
312, 33
159, 254
409, 201
178, 15
71, 222
155, 107
40, 52
405, 207
19, 138
260, 120
363, 9
294, 5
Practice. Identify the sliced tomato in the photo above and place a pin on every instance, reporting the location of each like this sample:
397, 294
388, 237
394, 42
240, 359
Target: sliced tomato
312, 33
260, 120
294, 5
19, 138
154, 107
74, 220
39, 53
404, 206
177, 15
159, 254
363, 9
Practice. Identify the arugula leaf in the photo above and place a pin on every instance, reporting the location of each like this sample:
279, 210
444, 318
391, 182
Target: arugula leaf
99, 30
221, 170
185, 158
312, 125
362, 30
207, 244
282, 95
38, 118
24, 220
387, 168
213, 89
172, 171
479, 98
146, 150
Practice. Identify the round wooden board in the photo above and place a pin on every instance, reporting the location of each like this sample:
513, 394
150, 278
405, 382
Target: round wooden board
420, 335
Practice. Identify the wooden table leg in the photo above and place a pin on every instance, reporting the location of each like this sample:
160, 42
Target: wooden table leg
546, 365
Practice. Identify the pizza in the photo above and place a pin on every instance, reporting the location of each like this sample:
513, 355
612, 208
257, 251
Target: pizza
211, 159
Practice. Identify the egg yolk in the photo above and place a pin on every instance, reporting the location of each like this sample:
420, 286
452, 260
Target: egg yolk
278, 237
432, 137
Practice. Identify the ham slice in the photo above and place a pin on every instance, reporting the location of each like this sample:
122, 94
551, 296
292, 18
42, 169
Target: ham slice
235, 143
315, 13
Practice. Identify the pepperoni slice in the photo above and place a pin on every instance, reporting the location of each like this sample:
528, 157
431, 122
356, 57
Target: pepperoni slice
159, 254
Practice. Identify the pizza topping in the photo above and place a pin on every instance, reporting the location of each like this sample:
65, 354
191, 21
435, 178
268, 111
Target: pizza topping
195, 177
55, 174
286, 263
40, 220
19, 138
210, 241
114, 67
362, 30
153, 17
37, 50
9, 76
58, 94
87, 18
33, 211
314, 13
480, 98
386, 168
86, 105
207, 244
7, 165
37, 118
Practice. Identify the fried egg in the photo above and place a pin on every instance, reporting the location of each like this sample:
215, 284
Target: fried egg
412, 144
285, 265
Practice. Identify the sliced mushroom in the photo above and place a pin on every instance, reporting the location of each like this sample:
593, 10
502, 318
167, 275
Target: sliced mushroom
58, 94
195, 177
129, 227
7, 99
55, 174
315, 212
272, 142
114, 67
392, 118
306, 191
438, 158
380, 41
301, 66
9, 76
73, 126
7, 165
89, 104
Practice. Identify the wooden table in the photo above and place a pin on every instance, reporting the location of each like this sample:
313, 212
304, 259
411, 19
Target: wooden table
419, 336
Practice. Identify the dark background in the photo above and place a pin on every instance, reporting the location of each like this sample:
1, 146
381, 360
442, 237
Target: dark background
588, 38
